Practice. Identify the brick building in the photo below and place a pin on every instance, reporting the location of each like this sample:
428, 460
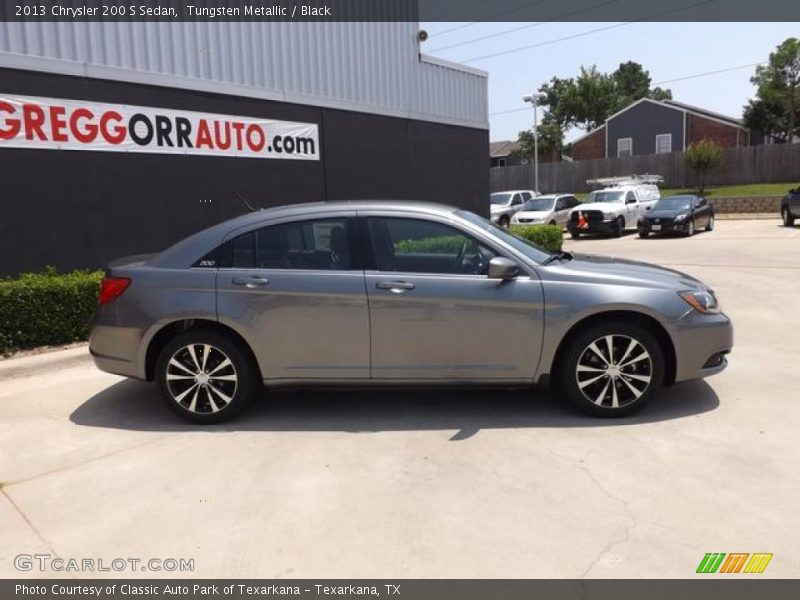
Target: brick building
655, 127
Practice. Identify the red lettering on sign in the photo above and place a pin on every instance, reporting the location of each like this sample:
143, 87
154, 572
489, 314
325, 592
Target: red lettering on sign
10, 131
115, 135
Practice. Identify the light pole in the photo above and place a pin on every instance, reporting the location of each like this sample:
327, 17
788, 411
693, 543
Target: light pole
535, 99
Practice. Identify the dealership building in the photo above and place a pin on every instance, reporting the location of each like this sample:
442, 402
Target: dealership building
121, 138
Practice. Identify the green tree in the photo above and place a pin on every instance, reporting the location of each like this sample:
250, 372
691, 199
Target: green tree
586, 101
551, 139
703, 156
776, 109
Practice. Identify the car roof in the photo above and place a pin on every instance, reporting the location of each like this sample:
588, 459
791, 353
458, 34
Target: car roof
216, 232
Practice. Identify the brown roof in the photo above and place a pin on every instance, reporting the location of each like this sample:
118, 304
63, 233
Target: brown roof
502, 148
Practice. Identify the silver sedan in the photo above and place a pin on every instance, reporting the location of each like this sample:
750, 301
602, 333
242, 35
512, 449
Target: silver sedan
388, 293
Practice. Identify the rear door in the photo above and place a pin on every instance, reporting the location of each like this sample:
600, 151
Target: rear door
435, 315
295, 291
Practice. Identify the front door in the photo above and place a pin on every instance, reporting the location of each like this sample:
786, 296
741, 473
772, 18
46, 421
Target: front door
295, 290
435, 314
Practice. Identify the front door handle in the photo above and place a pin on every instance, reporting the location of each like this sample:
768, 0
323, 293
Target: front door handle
250, 282
397, 287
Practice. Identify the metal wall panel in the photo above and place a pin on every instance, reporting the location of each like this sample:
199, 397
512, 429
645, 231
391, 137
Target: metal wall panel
366, 66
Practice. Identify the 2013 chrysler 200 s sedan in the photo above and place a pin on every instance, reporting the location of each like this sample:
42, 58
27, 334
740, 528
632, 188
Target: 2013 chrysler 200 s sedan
397, 293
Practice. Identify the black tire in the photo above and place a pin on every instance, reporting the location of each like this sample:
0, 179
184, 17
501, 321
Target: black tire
619, 227
710, 224
624, 379
574, 234
553, 223
504, 222
788, 217
643, 233
690, 228
205, 401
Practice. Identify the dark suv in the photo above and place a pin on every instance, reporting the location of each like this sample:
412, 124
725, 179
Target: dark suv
790, 207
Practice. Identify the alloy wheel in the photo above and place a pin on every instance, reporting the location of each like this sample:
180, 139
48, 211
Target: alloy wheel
201, 378
614, 371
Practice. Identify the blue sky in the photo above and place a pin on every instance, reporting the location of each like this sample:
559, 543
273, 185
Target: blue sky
668, 50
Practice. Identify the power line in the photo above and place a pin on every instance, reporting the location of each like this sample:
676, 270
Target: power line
521, 27
585, 33
694, 76
490, 17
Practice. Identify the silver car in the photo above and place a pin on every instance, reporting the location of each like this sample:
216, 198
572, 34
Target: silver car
503, 205
552, 209
396, 293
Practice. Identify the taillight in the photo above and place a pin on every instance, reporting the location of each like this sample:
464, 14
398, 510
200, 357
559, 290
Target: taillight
111, 288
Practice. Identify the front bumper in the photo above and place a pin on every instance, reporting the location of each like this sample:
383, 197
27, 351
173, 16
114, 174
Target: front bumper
674, 227
593, 227
702, 343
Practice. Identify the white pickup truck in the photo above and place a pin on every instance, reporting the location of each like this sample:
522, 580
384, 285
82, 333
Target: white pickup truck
614, 208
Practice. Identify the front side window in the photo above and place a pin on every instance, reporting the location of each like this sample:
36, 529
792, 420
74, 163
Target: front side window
418, 246
321, 244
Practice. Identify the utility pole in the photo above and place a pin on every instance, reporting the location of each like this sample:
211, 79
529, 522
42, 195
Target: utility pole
535, 99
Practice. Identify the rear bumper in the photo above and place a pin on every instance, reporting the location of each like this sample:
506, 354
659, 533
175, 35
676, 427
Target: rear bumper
116, 350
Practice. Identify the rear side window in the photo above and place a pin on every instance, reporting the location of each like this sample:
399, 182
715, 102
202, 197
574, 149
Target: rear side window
321, 244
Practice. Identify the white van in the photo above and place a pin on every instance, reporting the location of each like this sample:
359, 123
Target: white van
616, 207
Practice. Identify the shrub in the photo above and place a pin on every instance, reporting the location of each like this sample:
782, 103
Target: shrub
548, 237
42, 309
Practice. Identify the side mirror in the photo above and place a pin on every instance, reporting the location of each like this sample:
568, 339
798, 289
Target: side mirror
502, 268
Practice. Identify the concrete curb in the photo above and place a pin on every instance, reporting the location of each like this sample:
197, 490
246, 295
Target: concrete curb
31, 365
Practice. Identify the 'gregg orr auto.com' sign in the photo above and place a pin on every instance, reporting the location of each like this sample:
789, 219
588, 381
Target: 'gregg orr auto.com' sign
51, 124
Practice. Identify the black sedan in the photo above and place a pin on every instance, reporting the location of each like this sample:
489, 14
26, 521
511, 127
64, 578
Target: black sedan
678, 214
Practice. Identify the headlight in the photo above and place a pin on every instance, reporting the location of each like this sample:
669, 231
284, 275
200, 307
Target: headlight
681, 217
702, 301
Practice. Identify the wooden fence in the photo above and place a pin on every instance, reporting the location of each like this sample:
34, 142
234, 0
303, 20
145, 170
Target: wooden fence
749, 164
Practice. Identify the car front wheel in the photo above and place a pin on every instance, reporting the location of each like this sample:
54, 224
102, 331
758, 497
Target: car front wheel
504, 222
611, 370
618, 227
788, 218
205, 377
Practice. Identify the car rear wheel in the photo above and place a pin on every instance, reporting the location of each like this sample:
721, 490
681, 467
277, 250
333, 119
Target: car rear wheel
619, 227
710, 224
611, 370
205, 377
690, 229
788, 217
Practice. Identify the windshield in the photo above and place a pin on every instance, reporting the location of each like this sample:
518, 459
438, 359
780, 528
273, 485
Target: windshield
539, 204
527, 248
500, 198
606, 196
674, 203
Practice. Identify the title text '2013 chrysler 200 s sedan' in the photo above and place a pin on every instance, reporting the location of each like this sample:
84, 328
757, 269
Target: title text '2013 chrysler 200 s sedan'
389, 293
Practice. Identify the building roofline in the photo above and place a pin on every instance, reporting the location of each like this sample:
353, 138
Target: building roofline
687, 109
435, 60
588, 133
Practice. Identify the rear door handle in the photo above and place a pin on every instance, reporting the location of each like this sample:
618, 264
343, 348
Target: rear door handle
250, 282
395, 286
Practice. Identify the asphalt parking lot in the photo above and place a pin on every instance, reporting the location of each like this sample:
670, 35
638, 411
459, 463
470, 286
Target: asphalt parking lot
430, 484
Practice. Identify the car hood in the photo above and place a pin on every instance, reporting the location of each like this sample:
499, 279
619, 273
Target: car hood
620, 271
602, 206
533, 214
665, 213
